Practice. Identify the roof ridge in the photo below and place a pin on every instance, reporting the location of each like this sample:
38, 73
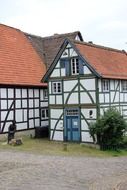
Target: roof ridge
10, 27
33, 35
60, 35
52, 36
40, 37
99, 46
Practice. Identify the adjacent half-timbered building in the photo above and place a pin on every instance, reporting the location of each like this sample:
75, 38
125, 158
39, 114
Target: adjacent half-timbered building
83, 81
23, 97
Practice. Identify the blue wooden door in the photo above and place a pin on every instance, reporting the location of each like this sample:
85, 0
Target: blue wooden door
72, 128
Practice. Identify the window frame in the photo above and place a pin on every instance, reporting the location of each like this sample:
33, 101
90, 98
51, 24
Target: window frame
75, 70
56, 87
45, 94
45, 114
124, 85
72, 112
73, 65
105, 85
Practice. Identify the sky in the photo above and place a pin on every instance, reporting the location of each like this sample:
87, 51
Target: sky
102, 21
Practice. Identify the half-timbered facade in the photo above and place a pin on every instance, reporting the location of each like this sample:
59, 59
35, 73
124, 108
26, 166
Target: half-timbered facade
25, 105
83, 81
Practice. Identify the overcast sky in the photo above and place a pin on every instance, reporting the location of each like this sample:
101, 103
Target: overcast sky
102, 21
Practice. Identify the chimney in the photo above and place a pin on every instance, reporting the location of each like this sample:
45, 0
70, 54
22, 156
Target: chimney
56, 34
90, 42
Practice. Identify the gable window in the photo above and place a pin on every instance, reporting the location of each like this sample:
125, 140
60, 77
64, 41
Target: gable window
56, 87
44, 113
105, 85
74, 66
124, 85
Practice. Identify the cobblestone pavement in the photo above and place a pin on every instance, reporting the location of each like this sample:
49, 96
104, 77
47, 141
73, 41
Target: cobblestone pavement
25, 171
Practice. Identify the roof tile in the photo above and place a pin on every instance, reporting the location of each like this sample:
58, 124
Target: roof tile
108, 62
47, 47
19, 62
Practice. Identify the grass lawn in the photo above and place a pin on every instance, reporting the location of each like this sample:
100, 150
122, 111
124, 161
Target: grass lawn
46, 147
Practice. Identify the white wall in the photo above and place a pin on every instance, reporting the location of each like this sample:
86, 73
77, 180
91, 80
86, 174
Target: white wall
115, 97
28, 104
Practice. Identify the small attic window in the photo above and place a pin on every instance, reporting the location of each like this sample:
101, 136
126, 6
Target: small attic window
77, 38
29, 37
65, 53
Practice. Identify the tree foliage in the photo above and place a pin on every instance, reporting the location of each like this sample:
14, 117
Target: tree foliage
109, 128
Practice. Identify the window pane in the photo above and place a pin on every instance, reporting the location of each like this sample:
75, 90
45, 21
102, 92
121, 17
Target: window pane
72, 112
47, 113
75, 66
54, 87
124, 85
62, 63
105, 85
43, 113
57, 87
45, 93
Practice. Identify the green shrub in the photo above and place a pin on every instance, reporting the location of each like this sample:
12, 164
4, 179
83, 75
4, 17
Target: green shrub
109, 128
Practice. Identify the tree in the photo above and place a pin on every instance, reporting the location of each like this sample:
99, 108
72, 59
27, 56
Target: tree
109, 128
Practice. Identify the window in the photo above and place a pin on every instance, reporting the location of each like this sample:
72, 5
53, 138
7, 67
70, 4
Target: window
45, 94
56, 87
91, 113
74, 66
62, 63
105, 85
72, 112
124, 85
44, 113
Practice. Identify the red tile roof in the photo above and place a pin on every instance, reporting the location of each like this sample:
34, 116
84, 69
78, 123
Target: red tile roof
107, 62
19, 62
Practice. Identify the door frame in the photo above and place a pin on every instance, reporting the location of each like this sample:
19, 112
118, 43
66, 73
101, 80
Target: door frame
65, 123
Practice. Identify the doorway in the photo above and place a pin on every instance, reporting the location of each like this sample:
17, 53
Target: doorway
72, 125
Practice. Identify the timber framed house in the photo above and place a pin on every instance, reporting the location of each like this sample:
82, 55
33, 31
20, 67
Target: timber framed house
83, 81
